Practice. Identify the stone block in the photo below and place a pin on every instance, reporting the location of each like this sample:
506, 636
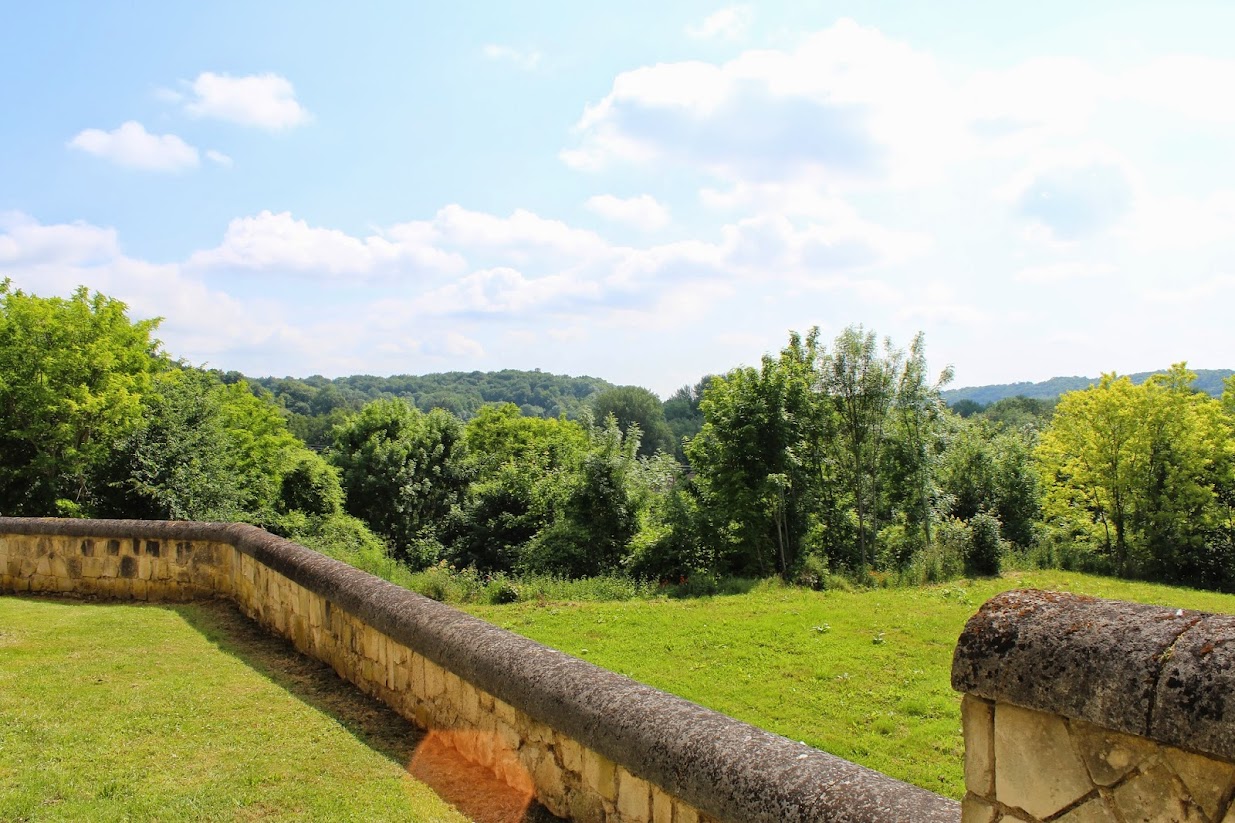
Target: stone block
976, 810
1038, 771
469, 703
978, 721
1155, 794
1205, 779
571, 754
600, 775
634, 798
1109, 755
435, 679
662, 806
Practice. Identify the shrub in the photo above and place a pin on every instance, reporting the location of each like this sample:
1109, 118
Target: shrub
985, 547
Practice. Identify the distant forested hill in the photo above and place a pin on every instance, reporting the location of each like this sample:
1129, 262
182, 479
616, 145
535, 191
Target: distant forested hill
314, 404
537, 393
1207, 380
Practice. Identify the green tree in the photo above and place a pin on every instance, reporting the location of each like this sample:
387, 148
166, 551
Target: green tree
72, 375
402, 470
635, 406
862, 385
751, 457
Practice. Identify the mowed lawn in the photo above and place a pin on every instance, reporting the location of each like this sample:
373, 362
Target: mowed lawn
864, 675
187, 713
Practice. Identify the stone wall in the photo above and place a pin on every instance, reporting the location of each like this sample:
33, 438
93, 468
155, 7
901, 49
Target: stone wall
1078, 710
591, 745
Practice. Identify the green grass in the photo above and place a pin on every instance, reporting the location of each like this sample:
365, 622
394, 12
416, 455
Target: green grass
128, 712
864, 675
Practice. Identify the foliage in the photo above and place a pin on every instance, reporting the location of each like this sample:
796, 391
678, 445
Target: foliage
637, 407
72, 375
402, 470
1141, 476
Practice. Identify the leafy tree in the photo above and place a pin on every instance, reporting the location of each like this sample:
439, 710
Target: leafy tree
1137, 473
402, 470
684, 415
863, 388
634, 406
72, 374
750, 456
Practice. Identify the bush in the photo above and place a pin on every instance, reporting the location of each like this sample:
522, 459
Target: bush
985, 547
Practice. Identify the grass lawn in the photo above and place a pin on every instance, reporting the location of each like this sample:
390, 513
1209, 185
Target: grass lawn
864, 675
190, 712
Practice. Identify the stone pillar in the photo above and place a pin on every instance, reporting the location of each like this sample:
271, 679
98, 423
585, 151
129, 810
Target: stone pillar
1078, 709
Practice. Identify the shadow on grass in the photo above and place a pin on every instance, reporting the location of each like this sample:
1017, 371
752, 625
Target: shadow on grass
473, 790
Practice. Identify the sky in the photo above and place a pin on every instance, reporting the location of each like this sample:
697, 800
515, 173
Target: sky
646, 192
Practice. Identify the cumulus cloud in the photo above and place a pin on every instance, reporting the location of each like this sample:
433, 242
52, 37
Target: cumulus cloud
24, 242
643, 212
218, 157
848, 103
265, 101
526, 60
133, 147
280, 243
729, 23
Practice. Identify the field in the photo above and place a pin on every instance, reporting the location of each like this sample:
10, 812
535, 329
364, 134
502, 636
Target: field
864, 675
192, 713
111, 711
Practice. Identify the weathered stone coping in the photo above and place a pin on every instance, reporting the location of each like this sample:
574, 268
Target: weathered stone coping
726, 768
1165, 674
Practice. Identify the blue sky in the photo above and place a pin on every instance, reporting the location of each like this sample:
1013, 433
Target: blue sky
645, 192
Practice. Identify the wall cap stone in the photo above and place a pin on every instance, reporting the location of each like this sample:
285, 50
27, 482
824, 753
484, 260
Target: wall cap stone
1161, 673
726, 768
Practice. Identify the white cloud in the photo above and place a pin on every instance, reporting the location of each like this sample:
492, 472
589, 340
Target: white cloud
848, 104
506, 291
219, 157
24, 242
1051, 273
643, 212
132, 146
526, 60
729, 23
280, 243
266, 101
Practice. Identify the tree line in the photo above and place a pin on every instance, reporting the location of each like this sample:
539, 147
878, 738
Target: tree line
824, 459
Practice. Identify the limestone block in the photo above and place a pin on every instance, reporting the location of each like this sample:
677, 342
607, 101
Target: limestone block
504, 711
978, 721
976, 810
550, 789
571, 754
634, 798
1091, 811
600, 775
469, 703
662, 806
1204, 778
435, 679
418, 676
1109, 755
1038, 771
1155, 794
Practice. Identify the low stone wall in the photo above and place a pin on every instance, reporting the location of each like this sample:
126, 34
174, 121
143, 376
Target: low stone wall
1078, 709
590, 744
